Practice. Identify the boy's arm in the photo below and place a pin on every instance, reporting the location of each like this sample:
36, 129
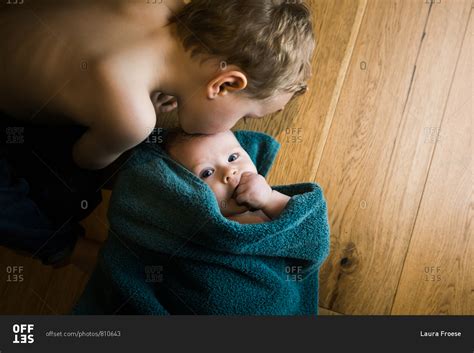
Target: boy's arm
124, 117
96, 149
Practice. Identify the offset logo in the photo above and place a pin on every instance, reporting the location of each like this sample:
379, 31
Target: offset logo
23, 333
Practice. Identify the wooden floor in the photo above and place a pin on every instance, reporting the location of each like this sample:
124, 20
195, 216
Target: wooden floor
386, 130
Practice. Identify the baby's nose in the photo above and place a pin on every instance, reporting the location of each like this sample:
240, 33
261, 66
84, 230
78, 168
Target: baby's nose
229, 175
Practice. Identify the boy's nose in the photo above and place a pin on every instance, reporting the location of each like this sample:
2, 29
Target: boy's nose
231, 176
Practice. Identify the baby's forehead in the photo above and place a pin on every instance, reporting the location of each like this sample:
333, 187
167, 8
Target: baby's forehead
190, 150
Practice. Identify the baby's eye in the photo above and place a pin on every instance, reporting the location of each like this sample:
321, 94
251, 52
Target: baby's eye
233, 157
206, 173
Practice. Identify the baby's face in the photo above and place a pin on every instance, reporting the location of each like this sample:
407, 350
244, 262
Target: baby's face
219, 161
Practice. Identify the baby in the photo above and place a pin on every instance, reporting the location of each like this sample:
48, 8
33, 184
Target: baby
220, 161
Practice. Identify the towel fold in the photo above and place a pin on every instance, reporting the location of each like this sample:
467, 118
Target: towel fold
170, 250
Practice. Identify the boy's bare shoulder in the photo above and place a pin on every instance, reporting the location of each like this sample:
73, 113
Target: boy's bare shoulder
107, 94
121, 101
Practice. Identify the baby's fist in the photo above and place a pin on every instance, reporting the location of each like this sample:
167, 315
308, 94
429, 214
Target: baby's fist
253, 191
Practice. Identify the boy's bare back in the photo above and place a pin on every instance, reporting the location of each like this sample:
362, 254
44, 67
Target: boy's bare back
100, 65
83, 62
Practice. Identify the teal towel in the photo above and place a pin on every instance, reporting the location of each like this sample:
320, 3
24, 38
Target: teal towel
170, 250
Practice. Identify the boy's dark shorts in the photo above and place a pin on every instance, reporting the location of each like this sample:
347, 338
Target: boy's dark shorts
43, 194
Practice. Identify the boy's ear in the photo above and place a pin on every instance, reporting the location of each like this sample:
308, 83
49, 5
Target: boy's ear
229, 81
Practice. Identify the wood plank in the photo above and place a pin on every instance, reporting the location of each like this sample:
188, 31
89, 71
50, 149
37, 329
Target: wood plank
302, 127
340, 81
326, 312
438, 276
64, 290
22, 295
96, 224
375, 163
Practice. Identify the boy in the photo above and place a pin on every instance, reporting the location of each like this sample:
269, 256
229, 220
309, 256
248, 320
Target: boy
225, 166
98, 65
112, 66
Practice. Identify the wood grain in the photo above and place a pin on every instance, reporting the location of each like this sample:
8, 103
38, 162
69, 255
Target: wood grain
375, 162
326, 312
438, 276
302, 127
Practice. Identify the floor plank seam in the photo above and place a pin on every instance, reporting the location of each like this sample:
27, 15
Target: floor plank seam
427, 173
339, 85
402, 121
431, 157
337, 312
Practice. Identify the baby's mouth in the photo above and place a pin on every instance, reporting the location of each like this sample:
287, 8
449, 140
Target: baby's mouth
233, 208
234, 191
232, 196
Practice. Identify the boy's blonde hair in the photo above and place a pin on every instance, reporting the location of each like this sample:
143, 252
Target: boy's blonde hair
271, 41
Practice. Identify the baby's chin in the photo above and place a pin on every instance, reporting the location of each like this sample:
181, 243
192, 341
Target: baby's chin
231, 208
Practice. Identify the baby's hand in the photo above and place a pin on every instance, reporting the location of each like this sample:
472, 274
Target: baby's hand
253, 191
163, 103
